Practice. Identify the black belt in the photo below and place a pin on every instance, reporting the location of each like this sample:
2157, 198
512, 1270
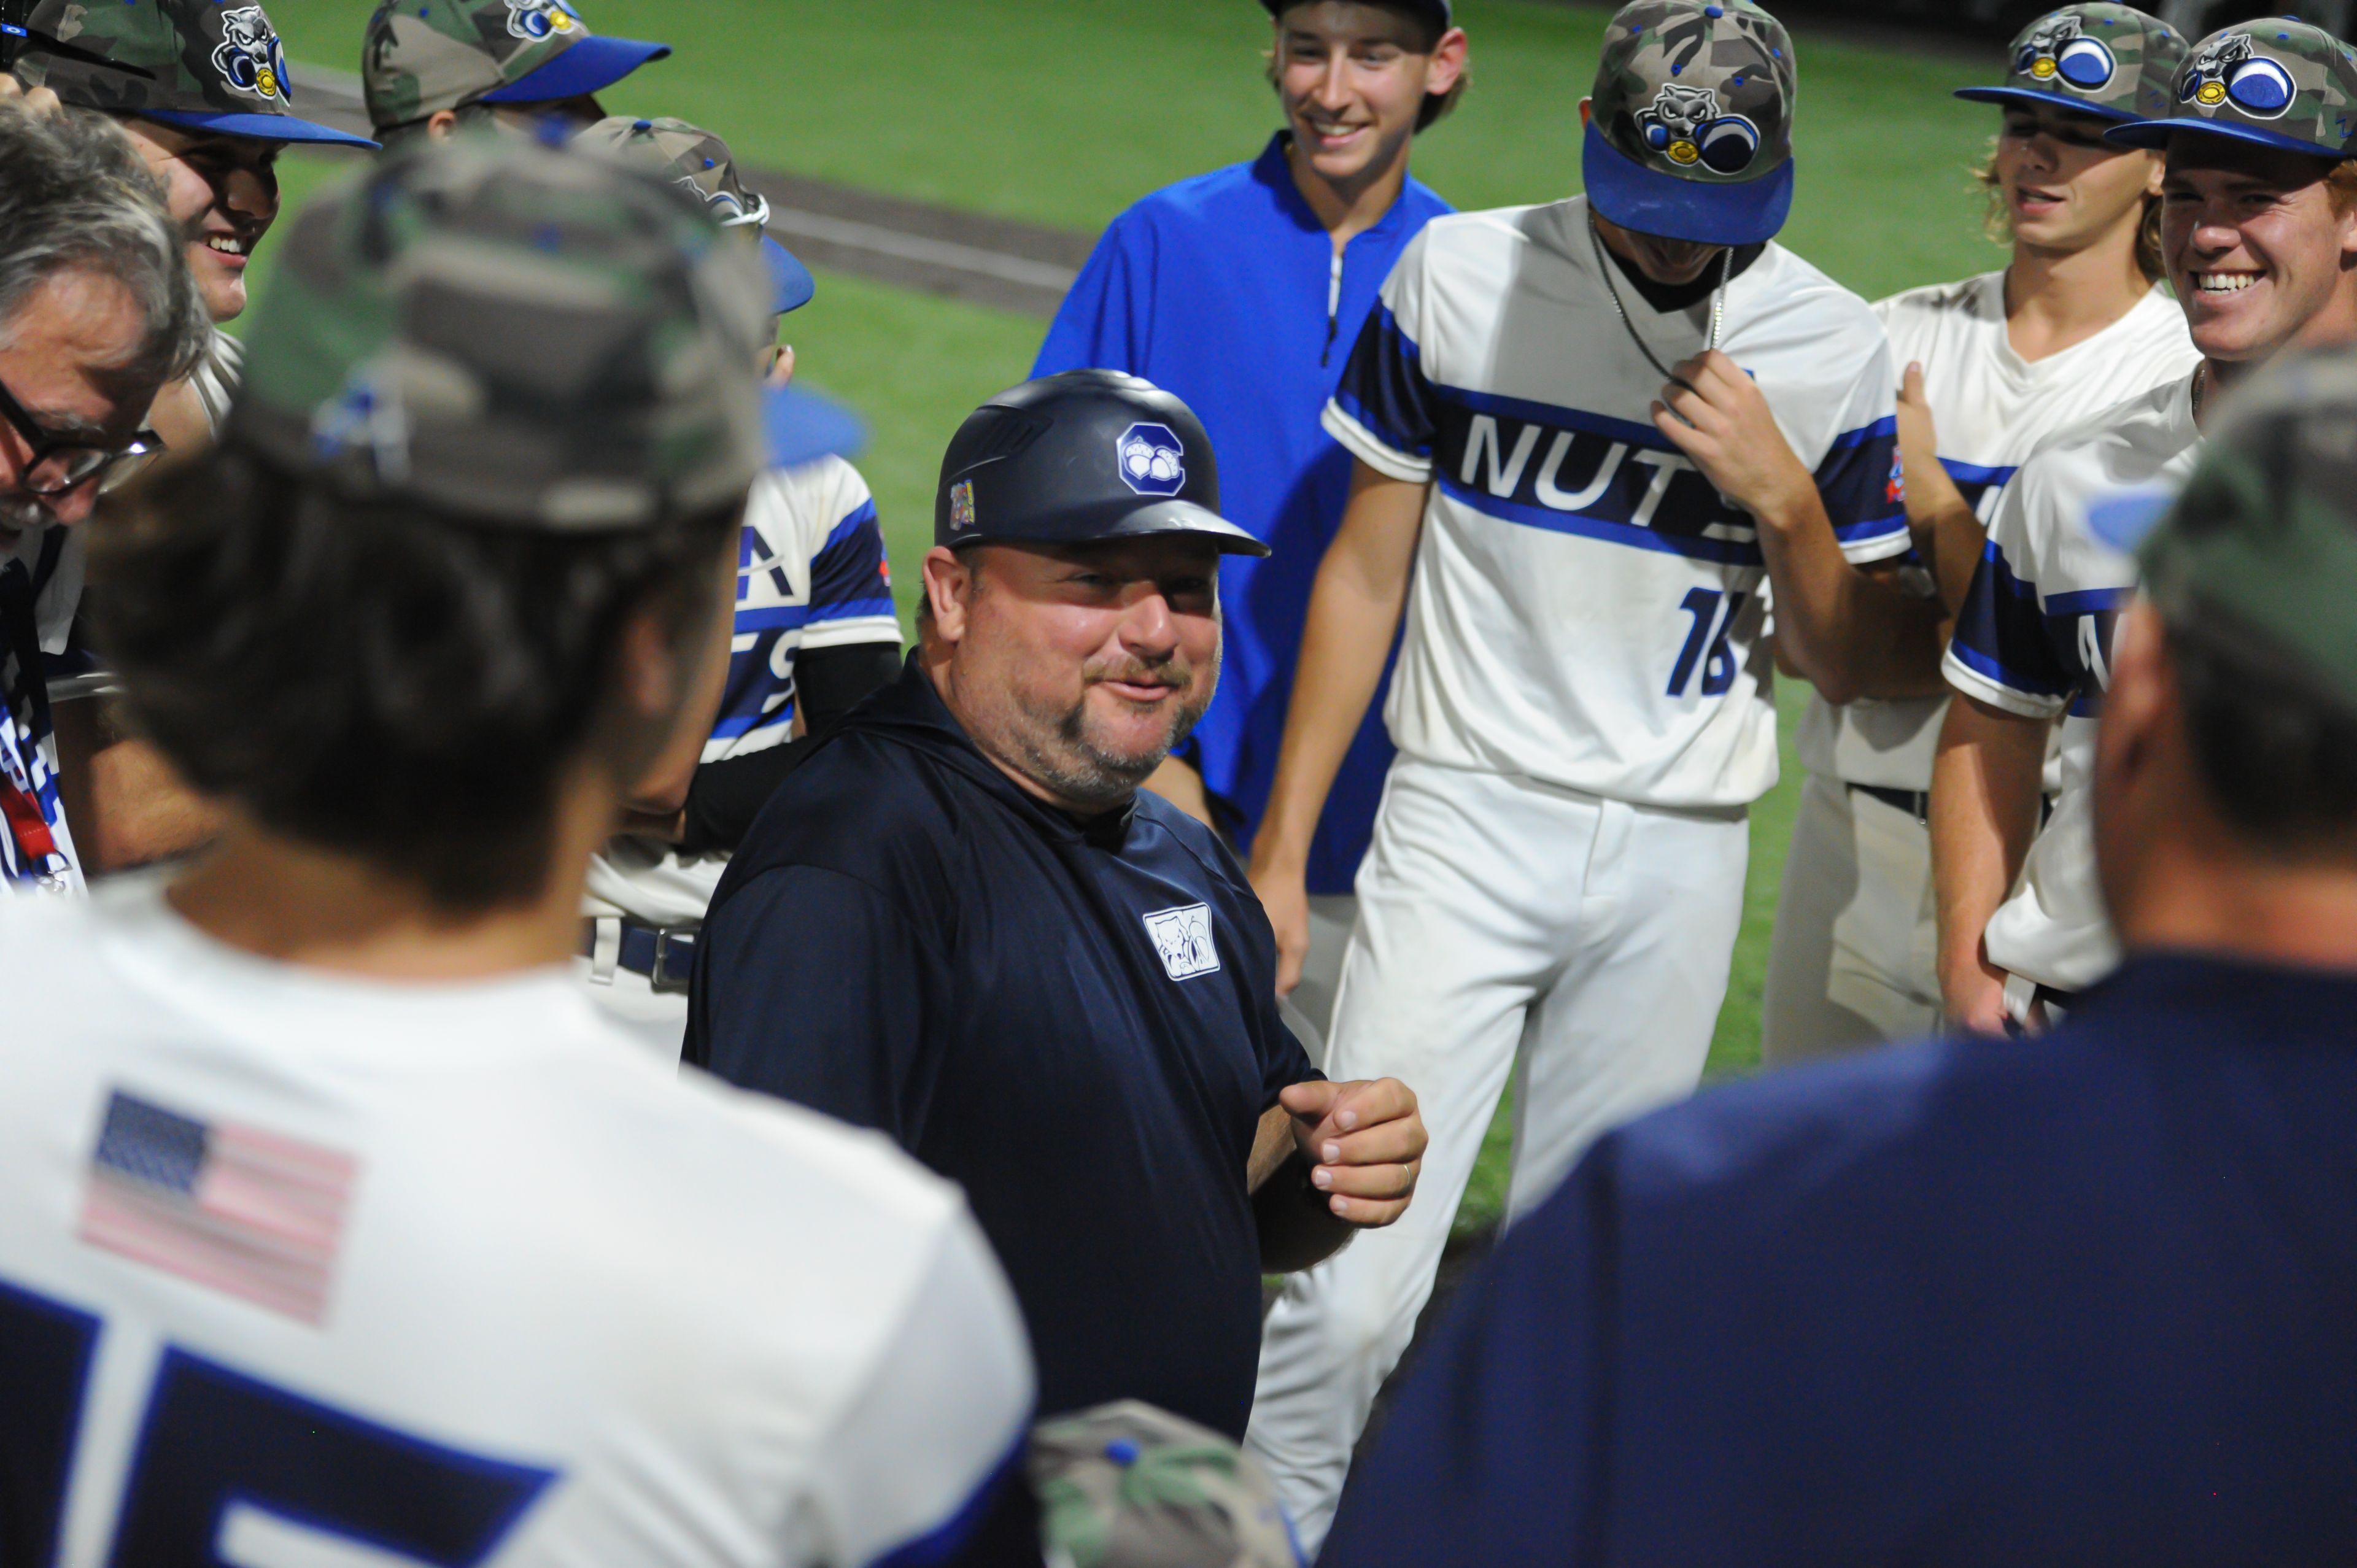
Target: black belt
666, 957
1916, 803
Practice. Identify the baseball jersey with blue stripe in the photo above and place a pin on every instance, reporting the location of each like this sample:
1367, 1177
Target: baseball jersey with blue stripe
1586, 609
40, 587
2035, 639
1992, 408
812, 573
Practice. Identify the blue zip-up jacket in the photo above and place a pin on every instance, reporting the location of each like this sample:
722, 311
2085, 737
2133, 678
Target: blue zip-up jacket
1220, 289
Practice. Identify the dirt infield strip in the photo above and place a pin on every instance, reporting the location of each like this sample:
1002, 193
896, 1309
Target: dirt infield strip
990, 260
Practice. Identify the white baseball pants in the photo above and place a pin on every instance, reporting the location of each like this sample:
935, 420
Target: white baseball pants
1855, 959
1504, 926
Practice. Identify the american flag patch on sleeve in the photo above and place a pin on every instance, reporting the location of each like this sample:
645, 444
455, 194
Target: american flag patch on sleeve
247, 1213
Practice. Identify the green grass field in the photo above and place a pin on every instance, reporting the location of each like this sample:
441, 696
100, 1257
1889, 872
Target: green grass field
1063, 111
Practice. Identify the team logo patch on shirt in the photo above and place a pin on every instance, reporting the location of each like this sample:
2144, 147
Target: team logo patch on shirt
2060, 52
247, 1213
2230, 72
1153, 460
1183, 938
1684, 126
538, 19
249, 58
961, 506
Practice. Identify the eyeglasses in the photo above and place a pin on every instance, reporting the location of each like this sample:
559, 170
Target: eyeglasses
59, 464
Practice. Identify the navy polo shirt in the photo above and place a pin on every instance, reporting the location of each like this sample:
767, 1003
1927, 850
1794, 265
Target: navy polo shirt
2088, 1298
1077, 1022
1220, 289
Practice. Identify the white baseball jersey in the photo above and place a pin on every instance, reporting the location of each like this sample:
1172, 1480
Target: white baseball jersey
1586, 609
2035, 639
812, 573
1992, 409
41, 573
302, 1268
218, 376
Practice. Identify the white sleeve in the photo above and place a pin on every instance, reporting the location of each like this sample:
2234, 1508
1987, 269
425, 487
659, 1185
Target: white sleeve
1384, 411
943, 1418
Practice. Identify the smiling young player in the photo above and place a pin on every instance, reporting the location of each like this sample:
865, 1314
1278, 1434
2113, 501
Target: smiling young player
2259, 233
1243, 291
1993, 365
1592, 437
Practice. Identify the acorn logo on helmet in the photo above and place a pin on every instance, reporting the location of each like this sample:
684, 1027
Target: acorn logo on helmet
249, 58
1153, 460
2228, 70
2060, 51
538, 19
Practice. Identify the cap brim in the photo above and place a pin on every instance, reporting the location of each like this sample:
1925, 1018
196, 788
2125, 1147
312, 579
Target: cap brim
802, 427
260, 128
1101, 521
2155, 133
2123, 521
1700, 213
593, 65
792, 282
2031, 95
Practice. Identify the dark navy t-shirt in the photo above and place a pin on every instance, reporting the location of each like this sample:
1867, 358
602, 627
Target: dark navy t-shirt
2088, 1298
1075, 1022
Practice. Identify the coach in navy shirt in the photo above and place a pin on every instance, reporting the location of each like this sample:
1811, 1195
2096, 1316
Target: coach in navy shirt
962, 923
1242, 291
2085, 1298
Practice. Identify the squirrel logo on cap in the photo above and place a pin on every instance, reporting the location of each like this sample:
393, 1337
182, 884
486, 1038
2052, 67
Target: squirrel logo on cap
250, 57
2229, 73
2058, 50
539, 20
1684, 126
1153, 460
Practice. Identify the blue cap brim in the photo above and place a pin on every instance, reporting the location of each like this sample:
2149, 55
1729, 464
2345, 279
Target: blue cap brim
1700, 213
593, 65
795, 287
803, 427
260, 127
2123, 521
2031, 95
2155, 133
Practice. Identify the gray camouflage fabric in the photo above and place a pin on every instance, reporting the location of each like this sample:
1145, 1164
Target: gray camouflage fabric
2275, 81
422, 57
690, 157
1129, 1486
198, 57
2104, 59
2261, 549
520, 334
1698, 92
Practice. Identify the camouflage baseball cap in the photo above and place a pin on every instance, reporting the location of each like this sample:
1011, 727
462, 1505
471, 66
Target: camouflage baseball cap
198, 63
700, 161
2274, 81
422, 57
1690, 135
2110, 62
523, 335
2260, 549
1128, 1486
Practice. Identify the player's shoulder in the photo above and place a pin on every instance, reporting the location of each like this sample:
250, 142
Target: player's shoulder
818, 494
2135, 441
1962, 299
1795, 292
1490, 229
1217, 198
47, 944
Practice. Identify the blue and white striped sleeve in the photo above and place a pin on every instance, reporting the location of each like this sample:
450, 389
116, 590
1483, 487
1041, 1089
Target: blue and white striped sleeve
850, 575
927, 1448
1860, 478
2002, 653
1384, 411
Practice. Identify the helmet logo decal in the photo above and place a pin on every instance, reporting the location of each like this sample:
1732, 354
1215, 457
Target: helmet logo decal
2230, 73
1684, 126
250, 57
961, 507
540, 19
1152, 459
2059, 51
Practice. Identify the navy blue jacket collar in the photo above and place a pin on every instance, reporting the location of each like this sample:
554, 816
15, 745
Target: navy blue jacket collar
910, 713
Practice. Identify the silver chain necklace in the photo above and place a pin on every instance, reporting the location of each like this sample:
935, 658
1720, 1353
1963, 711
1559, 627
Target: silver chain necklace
1612, 291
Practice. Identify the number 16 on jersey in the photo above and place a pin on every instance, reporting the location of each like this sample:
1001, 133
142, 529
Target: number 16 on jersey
1713, 614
